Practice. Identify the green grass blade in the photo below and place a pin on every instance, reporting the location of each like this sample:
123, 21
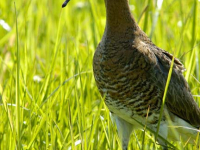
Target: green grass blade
39, 127
164, 97
18, 114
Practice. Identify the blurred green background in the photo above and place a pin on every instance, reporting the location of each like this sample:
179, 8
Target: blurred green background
48, 96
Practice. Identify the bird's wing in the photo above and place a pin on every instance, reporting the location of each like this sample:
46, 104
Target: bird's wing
179, 99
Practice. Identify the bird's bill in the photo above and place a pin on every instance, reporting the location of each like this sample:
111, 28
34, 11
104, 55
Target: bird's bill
65, 3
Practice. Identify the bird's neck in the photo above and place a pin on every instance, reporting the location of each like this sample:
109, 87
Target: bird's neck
118, 16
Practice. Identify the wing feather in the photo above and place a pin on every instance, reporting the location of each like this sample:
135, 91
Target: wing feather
179, 99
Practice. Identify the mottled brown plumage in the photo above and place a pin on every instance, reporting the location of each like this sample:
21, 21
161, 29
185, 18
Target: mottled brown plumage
131, 72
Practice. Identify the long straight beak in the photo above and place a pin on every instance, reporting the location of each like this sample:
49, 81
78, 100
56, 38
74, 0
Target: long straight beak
65, 3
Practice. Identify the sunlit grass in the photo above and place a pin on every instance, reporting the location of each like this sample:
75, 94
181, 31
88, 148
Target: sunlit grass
60, 106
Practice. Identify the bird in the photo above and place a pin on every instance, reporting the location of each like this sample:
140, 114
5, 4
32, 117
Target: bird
131, 73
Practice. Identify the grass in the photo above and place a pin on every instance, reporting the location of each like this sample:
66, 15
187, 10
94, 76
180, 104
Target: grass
56, 104
18, 115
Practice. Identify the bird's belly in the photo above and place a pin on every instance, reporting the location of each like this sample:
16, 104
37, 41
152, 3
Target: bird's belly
178, 129
127, 115
133, 99
130, 114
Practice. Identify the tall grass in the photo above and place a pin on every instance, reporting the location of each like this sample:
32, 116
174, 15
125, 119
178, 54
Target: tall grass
18, 114
56, 104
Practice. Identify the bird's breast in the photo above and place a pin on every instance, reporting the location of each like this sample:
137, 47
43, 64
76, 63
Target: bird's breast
122, 79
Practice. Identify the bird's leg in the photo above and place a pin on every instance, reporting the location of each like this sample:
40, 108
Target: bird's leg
124, 130
163, 132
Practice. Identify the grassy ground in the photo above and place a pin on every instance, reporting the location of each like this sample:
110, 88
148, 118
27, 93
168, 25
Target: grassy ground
48, 96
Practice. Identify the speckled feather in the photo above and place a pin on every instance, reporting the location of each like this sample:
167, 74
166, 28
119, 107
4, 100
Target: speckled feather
134, 69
